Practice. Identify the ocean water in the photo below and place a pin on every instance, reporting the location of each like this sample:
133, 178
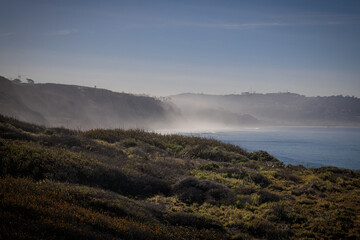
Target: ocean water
308, 146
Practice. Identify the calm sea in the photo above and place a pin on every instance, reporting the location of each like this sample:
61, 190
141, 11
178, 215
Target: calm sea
308, 146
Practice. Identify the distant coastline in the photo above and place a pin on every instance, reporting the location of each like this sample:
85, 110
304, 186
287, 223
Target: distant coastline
308, 145
76, 107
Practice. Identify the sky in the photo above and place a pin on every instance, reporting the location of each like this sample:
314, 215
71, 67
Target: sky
160, 48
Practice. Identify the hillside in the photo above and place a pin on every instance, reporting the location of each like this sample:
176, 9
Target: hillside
79, 107
280, 108
57, 183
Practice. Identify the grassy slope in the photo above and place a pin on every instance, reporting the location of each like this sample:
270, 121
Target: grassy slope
106, 184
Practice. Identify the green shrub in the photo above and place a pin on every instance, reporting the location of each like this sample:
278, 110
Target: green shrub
264, 229
129, 143
266, 196
24, 126
236, 172
283, 174
190, 190
29, 160
209, 166
259, 179
192, 220
263, 157
279, 212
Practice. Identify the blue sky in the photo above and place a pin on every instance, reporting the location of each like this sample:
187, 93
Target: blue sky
168, 47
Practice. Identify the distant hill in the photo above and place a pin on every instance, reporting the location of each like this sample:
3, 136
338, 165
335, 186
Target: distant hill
77, 107
82, 107
279, 108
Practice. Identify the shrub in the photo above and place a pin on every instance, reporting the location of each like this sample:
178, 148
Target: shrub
259, 179
266, 196
241, 236
60, 140
30, 160
283, 174
209, 167
280, 212
191, 195
219, 195
217, 153
263, 228
129, 143
252, 164
243, 201
191, 220
48, 131
299, 168
246, 190
27, 127
13, 133
237, 173
190, 190
263, 156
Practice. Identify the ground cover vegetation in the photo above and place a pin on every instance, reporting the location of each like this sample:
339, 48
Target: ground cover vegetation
57, 183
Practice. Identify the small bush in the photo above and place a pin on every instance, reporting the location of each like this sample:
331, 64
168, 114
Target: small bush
263, 228
190, 190
280, 212
219, 195
246, 190
283, 174
129, 143
263, 156
209, 167
266, 196
191, 220
13, 133
259, 179
48, 131
27, 127
60, 140
237, 173
252, 164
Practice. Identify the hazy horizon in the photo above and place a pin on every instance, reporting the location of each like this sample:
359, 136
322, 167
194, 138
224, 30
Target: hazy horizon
163, 48
251, 91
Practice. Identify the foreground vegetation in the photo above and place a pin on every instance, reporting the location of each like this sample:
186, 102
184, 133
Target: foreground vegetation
116, 184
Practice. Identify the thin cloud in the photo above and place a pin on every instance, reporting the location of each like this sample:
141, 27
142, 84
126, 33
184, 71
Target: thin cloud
63, 32
6, 34
252, 25
238, 26
230, 26
306, 19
